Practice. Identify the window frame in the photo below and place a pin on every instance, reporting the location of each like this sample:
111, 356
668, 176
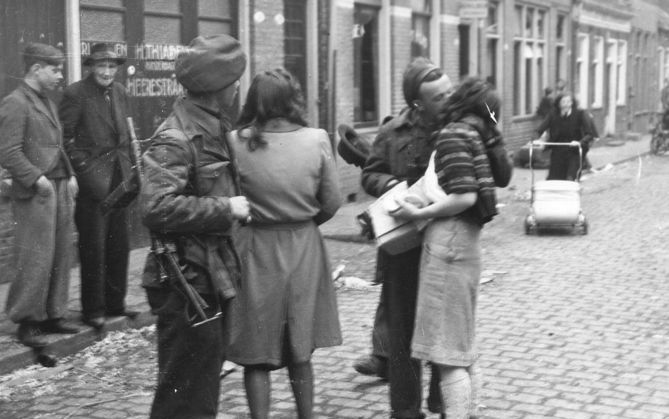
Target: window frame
357, 72
621, 71
427, 16
530, 53
582, 66
598, 72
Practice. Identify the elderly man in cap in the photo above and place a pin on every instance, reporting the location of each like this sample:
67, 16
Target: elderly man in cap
190, 202
401, 151
42, 195
93, 113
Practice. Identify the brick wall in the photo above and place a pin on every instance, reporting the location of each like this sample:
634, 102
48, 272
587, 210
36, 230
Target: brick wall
266, 37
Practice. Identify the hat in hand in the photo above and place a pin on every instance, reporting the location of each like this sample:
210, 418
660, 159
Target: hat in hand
101, 52
352, 147
210, 63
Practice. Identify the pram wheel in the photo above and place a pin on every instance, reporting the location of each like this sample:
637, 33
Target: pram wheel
656, 143
530, 225
582, 224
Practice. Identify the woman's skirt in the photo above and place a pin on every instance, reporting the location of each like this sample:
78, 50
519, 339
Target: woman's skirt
286, 306
450, 269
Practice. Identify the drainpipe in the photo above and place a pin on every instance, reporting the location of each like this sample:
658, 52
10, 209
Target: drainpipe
575, 14
72, 41
332, 72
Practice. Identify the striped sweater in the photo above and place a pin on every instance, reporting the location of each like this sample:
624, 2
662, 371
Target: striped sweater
462, 166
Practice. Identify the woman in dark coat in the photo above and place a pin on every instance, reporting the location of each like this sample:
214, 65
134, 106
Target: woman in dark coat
567, 123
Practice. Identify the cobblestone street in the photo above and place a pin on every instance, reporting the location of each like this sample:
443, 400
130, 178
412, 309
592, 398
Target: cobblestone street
569, 326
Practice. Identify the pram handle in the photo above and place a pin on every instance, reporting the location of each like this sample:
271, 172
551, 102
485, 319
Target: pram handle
570, 144
552, 144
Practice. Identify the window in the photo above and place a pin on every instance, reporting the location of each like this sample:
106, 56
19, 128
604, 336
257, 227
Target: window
214, 17
295, 42
622, 73
420, 27
598, 72
662, 66
365, 62
529, 65
102, 20
492, 31
560, 48
612, 70
582, 68
162, 21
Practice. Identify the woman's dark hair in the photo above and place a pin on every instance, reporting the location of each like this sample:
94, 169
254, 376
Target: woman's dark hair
476, 97
273, 94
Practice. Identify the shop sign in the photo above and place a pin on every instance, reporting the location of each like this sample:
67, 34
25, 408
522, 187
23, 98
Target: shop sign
149, 69
473, 9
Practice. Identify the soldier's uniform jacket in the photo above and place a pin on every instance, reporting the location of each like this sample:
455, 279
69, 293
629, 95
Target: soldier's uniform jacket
188, 177
401, 151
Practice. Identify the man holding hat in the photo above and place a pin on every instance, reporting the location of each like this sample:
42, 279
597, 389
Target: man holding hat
190, 201
42, 197
93, 113
401, 151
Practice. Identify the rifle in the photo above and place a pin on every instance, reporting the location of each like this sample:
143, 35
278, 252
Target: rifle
165, 251
127, 190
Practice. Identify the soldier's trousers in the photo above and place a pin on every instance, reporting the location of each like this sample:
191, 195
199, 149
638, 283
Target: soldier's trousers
189, 359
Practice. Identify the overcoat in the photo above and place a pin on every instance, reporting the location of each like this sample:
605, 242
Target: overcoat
96, 137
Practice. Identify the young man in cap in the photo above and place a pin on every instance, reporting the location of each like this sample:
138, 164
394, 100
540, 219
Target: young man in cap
42, 196
93, 113
401, 151
190, 199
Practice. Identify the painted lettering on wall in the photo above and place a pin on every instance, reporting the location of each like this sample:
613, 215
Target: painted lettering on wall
120, 48
151, 87
152, 74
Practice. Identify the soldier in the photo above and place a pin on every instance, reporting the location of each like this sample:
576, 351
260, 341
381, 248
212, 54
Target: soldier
42, 193
188, 200
93, 112
401, 151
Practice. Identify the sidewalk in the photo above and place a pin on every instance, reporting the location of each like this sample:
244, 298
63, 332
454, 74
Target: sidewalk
342, 227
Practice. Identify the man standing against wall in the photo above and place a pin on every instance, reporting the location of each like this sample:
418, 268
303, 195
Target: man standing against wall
93, 113
42, 197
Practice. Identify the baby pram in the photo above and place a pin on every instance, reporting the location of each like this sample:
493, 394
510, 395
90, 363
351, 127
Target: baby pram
556, 203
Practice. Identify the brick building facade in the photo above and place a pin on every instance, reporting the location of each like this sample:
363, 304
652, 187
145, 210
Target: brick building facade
350, 55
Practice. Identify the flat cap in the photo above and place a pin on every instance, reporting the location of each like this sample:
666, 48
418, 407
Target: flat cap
413, 77
210, 63
35, 51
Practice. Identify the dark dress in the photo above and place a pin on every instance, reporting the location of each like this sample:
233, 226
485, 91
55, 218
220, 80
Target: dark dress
286, 306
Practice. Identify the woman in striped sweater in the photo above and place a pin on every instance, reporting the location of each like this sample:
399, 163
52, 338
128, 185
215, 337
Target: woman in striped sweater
444, 332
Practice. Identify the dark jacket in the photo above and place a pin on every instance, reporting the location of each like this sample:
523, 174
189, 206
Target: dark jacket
95, 142
31, 141
401, 151
578, 126
188, 177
